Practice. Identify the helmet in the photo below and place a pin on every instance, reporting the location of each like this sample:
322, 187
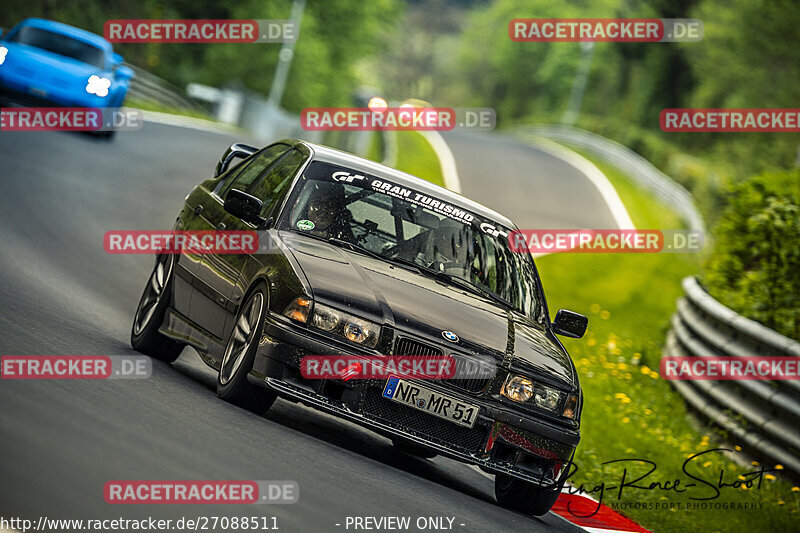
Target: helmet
450, 244
325, 205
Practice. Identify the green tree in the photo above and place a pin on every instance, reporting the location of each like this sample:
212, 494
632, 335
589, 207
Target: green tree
755, 268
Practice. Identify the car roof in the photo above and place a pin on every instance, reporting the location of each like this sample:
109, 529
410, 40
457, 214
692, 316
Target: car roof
66, 29
337, 157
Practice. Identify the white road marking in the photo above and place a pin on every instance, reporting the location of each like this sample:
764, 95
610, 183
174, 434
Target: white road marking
187, 122
446, 159
593, 174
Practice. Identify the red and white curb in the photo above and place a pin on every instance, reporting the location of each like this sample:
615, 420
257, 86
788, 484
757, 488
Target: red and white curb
605, 520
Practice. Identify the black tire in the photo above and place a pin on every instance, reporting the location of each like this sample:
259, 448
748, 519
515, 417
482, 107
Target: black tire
240, 352
524, 496
413, 448
153, 304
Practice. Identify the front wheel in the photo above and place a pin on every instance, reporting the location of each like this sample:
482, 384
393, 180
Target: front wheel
145, 337
524, 496
240, 352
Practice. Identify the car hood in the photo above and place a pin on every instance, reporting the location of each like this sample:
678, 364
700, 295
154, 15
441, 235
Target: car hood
426, 307
48, 67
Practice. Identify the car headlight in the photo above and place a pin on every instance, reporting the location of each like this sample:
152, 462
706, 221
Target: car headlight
358, 331
325, 318
521, 390
517, 388
546, 398
3, 53
345, 325
298, 309
98, 85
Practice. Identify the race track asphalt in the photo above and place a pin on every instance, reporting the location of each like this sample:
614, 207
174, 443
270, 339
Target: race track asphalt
61, 293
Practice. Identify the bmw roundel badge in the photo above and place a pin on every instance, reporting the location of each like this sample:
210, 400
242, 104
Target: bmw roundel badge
449, 335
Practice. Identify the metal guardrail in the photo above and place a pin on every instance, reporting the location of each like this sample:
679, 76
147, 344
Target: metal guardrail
150, 88
638, 168
264, 121
763, 416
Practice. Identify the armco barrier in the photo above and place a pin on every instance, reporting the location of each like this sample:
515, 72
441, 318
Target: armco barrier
264, 122
762, 416
148, 87
670, 192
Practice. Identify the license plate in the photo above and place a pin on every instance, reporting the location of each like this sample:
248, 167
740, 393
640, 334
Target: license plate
431, 402
38, 92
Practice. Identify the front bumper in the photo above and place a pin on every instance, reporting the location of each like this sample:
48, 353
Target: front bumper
28, 93
502, 440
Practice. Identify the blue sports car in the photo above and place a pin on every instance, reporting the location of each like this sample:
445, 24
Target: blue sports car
47, 63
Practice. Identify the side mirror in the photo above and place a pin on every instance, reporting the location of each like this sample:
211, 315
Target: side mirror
234, 151
116, 60
570, 324
124, 73
244, 206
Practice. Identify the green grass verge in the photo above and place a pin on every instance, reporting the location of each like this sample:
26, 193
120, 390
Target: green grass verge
416, 156
414, 153
160, 108
376, 147
630, 412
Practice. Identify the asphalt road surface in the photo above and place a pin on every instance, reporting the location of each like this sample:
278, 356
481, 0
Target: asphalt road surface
533, 188
61, 441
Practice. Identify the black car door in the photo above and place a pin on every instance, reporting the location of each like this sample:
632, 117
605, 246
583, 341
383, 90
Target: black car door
215, 286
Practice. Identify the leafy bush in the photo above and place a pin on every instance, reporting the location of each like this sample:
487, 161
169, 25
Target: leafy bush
755, 268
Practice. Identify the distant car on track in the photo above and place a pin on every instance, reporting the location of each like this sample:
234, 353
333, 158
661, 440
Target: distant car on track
45, 63
371, 261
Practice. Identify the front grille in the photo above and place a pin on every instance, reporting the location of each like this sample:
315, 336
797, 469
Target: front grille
406, 418
406, 346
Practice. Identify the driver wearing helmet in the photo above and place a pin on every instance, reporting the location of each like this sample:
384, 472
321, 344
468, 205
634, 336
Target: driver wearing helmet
327, 210
449, 247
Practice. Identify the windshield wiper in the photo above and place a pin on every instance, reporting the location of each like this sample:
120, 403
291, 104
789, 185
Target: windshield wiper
464, 284
447, 278
355, 247
407, 263
454, 280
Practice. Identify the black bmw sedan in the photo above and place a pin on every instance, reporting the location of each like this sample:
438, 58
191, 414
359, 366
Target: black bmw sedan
356, 258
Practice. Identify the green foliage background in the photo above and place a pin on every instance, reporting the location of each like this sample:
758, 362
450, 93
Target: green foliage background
756, 265
334, 36
458, 53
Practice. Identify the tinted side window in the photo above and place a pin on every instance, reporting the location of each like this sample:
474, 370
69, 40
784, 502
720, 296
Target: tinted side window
255, 168
276, 182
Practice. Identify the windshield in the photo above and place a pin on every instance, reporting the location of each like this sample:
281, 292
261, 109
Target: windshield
61, 45
398, 223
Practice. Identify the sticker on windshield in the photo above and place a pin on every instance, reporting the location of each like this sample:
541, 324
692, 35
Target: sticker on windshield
346, 177
402, 192
305, 225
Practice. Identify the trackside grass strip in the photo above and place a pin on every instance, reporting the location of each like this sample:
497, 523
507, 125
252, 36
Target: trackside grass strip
632, 414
